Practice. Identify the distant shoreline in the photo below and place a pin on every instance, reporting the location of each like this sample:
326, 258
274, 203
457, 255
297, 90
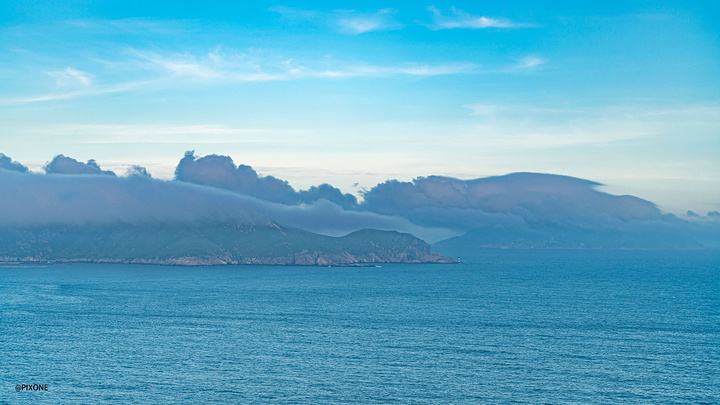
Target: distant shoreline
160, 263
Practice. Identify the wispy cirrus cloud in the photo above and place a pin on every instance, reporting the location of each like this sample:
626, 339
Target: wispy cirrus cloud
530, 62
251, 67
351, 22
356, 22
151, 71
361, 23
71, 78
88, 91
410, 69
461, 19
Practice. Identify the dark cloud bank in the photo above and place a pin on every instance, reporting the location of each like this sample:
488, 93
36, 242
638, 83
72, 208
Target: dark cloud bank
521, 210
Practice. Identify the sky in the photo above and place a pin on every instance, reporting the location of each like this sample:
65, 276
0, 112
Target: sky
626, 94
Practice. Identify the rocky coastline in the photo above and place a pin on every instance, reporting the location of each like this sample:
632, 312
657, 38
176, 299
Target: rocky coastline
222, 244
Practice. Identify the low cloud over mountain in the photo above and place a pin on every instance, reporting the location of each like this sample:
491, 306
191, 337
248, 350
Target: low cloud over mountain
65, 165
221, 172
513, 199
93, 198
517, 210
8, 164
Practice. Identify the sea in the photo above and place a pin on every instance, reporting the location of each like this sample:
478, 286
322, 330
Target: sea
504, 326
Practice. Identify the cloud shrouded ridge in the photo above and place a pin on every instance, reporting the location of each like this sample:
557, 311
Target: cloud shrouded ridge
221, 172
212, 188
8, 164
82, 195
517, 197
62, 164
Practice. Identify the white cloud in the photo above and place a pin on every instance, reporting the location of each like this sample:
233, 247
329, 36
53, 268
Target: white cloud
248, 67
182, 65
90, 91
150, 71
354, 22
164, 70
408, 69
530, 62
460, 19
360, 24
347, 21
71, 78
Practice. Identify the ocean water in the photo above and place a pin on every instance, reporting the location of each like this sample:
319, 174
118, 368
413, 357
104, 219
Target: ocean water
506, 327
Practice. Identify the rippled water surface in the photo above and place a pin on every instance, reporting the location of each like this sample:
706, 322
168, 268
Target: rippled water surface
508, 326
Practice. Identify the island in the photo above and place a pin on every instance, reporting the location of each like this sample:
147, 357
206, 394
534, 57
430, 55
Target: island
220, 243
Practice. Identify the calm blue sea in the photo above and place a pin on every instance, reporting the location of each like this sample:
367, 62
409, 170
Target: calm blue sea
506, 327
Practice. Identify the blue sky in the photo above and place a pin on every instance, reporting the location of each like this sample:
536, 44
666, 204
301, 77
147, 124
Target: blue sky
623, 93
